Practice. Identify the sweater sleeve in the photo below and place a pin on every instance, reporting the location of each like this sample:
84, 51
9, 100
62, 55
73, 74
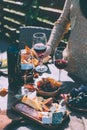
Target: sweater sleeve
60, 27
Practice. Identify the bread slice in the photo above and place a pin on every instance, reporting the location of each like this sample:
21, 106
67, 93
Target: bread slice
32, 103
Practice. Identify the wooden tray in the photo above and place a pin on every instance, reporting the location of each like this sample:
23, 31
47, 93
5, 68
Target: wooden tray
35, 119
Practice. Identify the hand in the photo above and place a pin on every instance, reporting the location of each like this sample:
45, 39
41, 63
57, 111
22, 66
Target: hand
65, 52
47, 52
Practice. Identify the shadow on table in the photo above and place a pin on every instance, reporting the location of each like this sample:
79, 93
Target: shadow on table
77, 80
67, 86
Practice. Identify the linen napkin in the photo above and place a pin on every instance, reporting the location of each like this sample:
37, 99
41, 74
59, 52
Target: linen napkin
77, 123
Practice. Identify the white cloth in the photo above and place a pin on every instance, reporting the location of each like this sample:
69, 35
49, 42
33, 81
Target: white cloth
77, 123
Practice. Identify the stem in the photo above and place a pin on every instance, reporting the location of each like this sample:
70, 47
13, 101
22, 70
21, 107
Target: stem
41, 62
25, 78
59, 74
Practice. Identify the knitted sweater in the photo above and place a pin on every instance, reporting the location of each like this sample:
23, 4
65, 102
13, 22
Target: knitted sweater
77, 43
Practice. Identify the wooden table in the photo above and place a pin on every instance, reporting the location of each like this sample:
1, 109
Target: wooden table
7, 101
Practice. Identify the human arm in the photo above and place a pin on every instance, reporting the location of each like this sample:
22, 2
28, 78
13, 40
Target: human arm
60, 28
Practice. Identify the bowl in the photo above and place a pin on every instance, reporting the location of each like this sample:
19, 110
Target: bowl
48, 87
47, 94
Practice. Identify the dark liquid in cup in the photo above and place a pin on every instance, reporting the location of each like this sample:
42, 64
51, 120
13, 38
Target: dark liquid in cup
39, 48
61, 64
27, 70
